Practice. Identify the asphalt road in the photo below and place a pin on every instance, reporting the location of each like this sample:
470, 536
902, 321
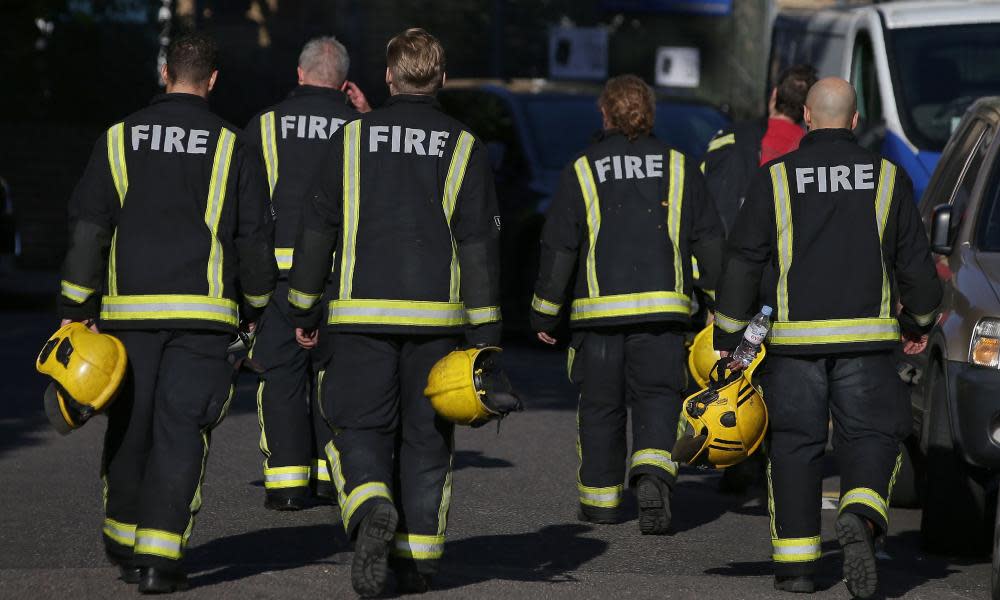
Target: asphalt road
512, 530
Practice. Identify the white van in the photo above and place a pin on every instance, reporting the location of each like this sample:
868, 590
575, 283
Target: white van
917, 65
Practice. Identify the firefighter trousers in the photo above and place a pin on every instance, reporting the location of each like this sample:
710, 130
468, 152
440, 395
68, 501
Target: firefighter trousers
388, 443
293, 435
638, 366
177, 388
870, 413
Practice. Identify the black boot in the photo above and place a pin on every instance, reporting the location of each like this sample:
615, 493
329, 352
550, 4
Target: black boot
860, 570
129, 575
153, 580
285, 503
370, 568
653, 495
598, 515
799, 584
409, 580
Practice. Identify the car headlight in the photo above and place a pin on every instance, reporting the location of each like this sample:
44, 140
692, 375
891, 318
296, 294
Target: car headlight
985, 348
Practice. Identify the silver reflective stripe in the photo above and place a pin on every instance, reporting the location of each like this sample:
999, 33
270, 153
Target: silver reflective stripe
301, 299
159, 543
676, 199
362, 494
783, 222
76, 293
452, 185
213, 208
480, 316
834, 331
257, 301
119, 173
608, 497
402, 312
923, 320
868, 497
593, 205
796, 549
729, 324
655, 458
267, 134
883, 200
629, 304
283, 256
544, 306
119, 532
168, 307
352, 194
419, 546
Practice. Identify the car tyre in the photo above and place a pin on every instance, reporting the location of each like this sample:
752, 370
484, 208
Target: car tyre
908, 489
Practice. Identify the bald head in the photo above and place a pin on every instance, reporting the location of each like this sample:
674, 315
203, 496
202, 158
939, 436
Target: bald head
831, 104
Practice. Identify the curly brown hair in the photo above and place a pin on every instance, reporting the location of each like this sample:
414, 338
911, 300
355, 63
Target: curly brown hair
629, 105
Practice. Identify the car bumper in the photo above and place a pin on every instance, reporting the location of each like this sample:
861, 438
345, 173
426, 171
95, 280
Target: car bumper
976, 413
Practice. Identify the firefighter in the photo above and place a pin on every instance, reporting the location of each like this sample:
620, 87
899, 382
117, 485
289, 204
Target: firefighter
171, 245
292, 138
406, 199
628, 214
830, 237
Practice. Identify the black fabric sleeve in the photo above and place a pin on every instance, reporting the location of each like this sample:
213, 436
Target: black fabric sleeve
475, 226
722, 171
258, 271
93, 212
748, 250
706, 230
920, 289
560, 246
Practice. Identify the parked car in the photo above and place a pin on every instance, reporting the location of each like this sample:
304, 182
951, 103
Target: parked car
532, 129
917, 66
952, 460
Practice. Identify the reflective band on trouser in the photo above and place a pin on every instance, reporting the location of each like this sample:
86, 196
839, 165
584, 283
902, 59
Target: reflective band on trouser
213, 208
301, 299
397, 312
481, 316
796, 549
257, 301
721, 141
653, 457
605, 497
361, 494
352, 194
121, 533
166, 307
119, 174
76, 293
675, 197
321, 471
867, 497
834, 331
783, 223
626, 305
268, 139
158, 543
729, 324
277, 478
593, 205
452, 185
544, 306
283, 256
418, 547
883, 200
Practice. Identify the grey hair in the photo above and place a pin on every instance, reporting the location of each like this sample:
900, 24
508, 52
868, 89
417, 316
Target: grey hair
325, 59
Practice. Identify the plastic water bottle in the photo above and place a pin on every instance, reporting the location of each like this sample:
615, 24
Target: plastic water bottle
753, 337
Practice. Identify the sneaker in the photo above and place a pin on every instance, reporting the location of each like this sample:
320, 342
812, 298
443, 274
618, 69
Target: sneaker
654, 505
860, 570
370, 568
800, 584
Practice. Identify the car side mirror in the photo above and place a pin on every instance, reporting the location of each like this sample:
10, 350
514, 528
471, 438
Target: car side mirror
941, 229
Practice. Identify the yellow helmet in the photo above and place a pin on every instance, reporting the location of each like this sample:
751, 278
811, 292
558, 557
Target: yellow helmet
726, 421
468, 387
702, 356
86, 370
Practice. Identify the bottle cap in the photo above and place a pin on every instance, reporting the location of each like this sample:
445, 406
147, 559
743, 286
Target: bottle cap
766, 310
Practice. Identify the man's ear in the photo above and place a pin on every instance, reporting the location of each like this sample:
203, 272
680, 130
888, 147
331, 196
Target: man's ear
444, 79
854, 120
164, 74
301, 73
388, 76
807, 117
211, 80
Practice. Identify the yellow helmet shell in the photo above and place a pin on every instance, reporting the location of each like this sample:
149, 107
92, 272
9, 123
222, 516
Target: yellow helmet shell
702, 356
451, 387
86, 369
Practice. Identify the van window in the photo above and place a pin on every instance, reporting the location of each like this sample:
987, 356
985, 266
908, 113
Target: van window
865, 80
944, 182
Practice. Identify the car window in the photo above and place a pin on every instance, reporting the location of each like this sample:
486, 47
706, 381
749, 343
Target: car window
963, 191
489, 117
941, 188
988, 234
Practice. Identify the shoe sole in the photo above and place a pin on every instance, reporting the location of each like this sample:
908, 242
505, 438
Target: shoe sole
654, 513
165, 588
796, 587
370, 567
860, 570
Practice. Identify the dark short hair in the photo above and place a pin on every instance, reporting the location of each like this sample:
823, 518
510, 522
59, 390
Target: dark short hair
793, 86
191, 58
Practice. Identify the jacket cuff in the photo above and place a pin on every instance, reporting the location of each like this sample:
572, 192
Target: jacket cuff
543, 322
484, 335
726, 342
84, 311
916, 324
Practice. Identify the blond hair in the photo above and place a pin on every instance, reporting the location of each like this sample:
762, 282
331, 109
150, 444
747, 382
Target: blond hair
416, 61
629, 105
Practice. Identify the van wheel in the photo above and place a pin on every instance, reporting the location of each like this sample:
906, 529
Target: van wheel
907, 491
955, 520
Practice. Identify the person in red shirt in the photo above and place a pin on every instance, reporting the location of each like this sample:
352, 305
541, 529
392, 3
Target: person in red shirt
784, 123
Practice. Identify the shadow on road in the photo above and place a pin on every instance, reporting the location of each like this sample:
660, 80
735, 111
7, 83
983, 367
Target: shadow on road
477, 460
549, 555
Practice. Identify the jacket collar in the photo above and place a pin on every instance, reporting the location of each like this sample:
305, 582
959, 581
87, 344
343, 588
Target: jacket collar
180, 99
315, 90
827, 135
418, 99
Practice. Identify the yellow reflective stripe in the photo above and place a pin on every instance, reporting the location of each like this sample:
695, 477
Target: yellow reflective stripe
122, 533
923, 320
302, 300
729, 324
834, 331
883, 201
320, 470
627, 305
770, 502
119, 173
702, 167
361, 494
895, 473
603, 497
544, 306
593, 205
654, 458
418, 547
796, 549
783, 221
168, 306
258, 301
867, 497
283, 256
337, 474
352, 195
721, 141
213, 207
76, 293
269, 142
695, 271
158, 543
286, 477
446, 492
481, 316
452, 185
397, 312
260, 419
675, 197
